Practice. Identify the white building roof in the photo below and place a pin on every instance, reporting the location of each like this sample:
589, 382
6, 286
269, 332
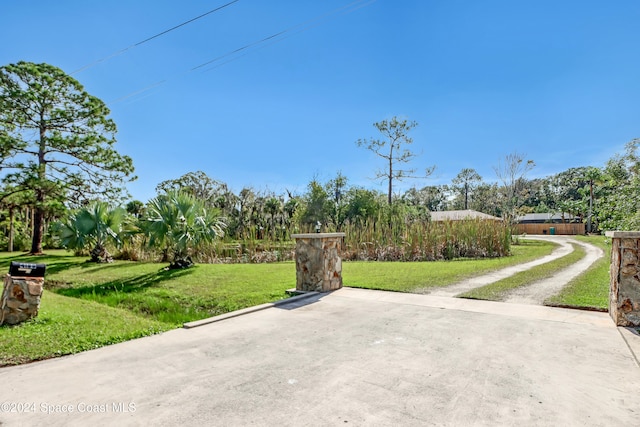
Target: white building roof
544, 217
461, 215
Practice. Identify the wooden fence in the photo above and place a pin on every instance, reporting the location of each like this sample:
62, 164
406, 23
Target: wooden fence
546, 228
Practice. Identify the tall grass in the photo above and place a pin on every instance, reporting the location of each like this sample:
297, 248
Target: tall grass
374, 239
426, 240
246, 251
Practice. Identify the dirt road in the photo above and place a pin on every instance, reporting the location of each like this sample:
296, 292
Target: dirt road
537, 292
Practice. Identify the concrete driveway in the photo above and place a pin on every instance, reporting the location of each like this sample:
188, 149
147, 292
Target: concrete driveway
352, 357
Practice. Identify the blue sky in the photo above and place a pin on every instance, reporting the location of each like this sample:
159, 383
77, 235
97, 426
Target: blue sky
555, 80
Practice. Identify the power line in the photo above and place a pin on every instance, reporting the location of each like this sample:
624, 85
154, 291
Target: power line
186, 22
302, 27
274, 38
120, 52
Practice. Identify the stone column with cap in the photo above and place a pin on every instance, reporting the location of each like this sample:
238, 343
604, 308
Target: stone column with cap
624, 285
21, 293
318, 261
20, 299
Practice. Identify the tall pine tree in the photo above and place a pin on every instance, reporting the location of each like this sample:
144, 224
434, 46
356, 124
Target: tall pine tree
56, 140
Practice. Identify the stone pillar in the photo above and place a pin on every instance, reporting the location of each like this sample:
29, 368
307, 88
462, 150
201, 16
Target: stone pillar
318, 262
624, 285
20, 299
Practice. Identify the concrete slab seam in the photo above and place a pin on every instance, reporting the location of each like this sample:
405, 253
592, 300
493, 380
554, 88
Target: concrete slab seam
460, 304
633, 354
248, 310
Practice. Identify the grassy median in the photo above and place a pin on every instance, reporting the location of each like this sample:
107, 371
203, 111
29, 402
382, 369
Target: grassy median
590, 290
498, 291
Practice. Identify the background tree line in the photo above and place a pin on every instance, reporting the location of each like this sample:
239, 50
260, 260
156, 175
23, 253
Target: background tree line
62, 184
608, 195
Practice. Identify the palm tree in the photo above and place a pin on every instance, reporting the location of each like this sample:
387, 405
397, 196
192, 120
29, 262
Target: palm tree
135, 208
273, 209
177, 222
593, 176
242, 211
95, 225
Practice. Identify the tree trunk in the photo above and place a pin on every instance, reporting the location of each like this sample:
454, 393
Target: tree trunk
11, 229
31, 221
390, 179
100, 254
38, 217
38, 231
466, 196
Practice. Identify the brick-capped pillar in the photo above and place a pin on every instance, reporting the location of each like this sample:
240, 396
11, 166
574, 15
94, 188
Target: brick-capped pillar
318, 261
624, 285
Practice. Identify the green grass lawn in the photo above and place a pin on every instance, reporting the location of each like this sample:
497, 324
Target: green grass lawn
590, 289
88, 305
177, 296
415, 276
68, 325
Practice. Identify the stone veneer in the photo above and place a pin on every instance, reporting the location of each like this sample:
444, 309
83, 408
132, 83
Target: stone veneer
318, 261
20, 299
624, 286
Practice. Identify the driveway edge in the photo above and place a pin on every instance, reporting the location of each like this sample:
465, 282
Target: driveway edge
247, 310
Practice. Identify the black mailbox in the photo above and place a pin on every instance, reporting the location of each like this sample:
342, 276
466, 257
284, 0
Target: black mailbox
25, 269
